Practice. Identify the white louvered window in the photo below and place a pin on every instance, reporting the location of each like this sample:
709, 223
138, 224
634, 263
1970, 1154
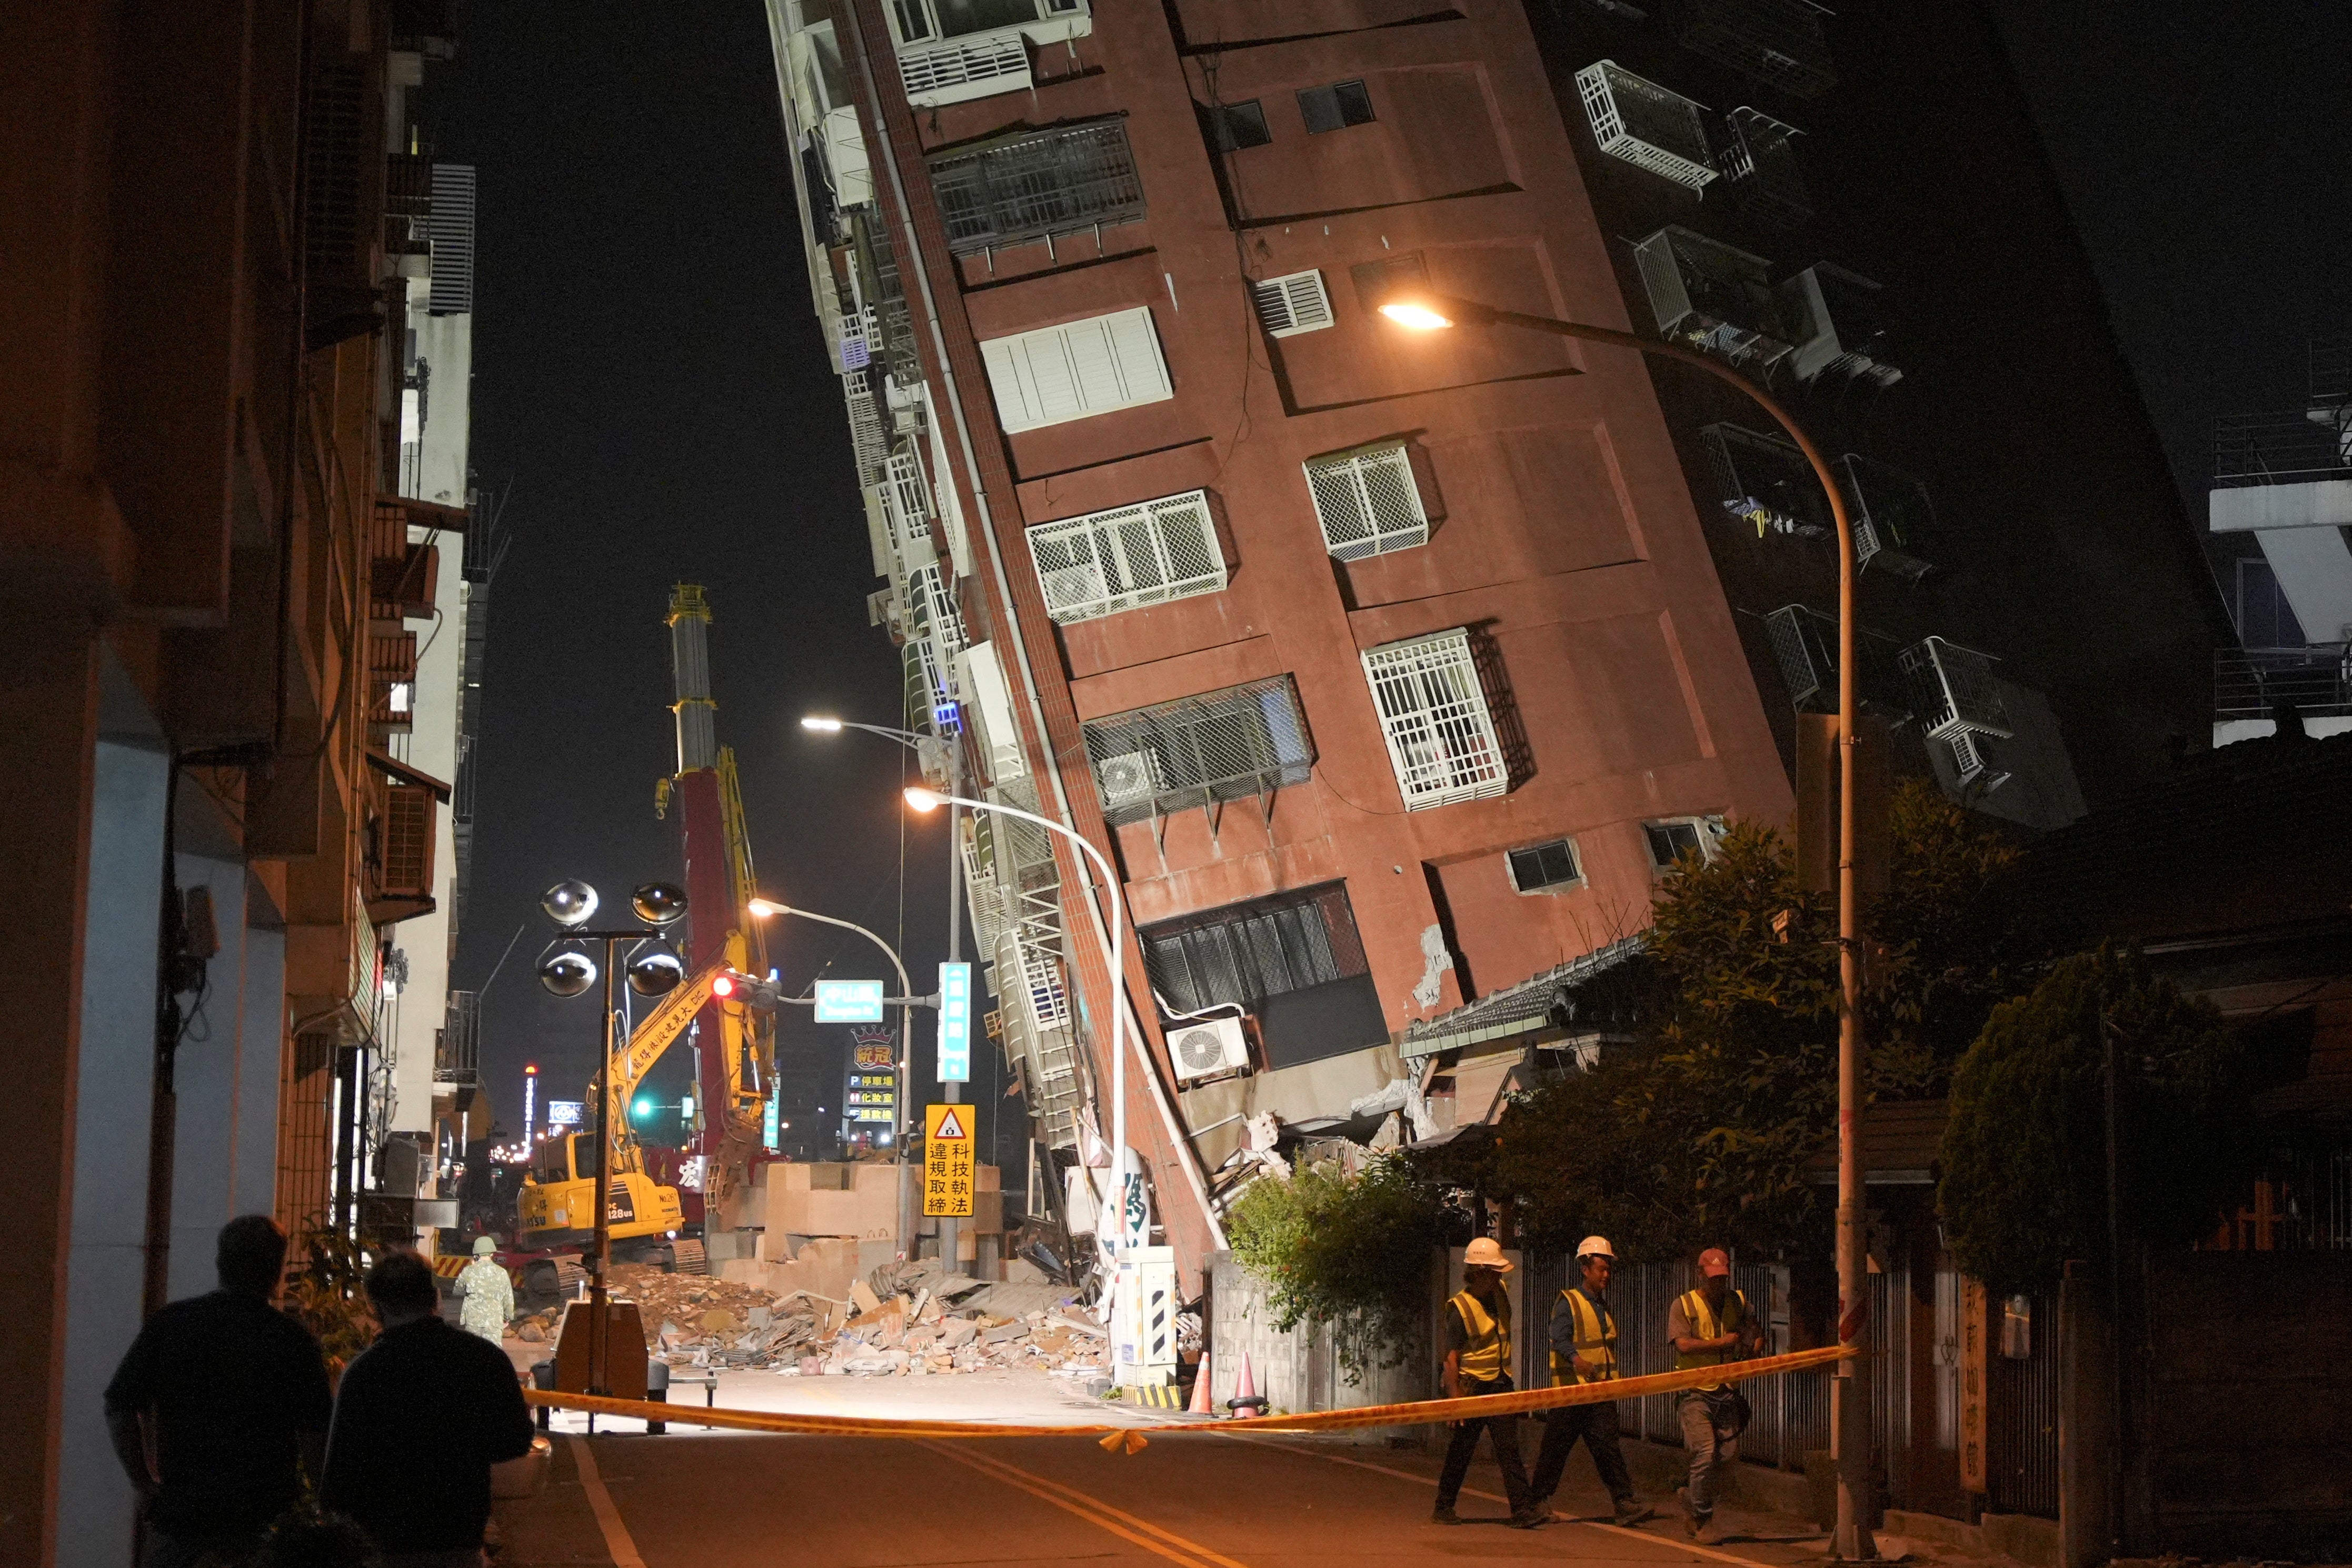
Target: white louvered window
1367, 500
1293, 304
1057, 375
1434, 714
1104, 562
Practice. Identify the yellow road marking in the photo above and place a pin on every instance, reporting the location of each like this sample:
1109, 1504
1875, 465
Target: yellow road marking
1691, 1546
618, 1540
1093, 1509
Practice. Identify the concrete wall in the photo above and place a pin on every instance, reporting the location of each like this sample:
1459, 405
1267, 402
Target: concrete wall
114, 1091
1298, 1368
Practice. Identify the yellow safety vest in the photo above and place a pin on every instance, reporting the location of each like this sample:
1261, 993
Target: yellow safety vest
1705, 1325
1486, 1354
1596, 1340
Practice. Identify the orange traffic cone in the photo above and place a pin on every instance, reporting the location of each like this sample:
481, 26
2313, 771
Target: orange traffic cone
1200, 1405
1246, 1394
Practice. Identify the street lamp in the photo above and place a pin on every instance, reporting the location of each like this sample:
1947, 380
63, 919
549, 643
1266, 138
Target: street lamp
1424, 312
565, 969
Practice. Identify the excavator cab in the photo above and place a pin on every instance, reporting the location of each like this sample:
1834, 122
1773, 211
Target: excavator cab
555, 1207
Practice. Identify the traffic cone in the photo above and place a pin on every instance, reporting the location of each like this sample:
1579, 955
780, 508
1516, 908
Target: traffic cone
1246, 1394
1200, 1405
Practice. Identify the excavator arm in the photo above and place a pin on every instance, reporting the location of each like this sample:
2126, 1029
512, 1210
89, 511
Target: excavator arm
655, 1034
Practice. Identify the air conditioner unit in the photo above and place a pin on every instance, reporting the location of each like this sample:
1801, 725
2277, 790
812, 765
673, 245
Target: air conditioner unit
1206, 1047
1130, 778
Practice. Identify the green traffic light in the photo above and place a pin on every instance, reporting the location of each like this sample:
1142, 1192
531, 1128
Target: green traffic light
645, 1108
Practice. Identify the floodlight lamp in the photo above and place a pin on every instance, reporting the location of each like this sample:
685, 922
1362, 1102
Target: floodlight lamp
1416, 315
659, 902
654, 970
565, 970
923, 799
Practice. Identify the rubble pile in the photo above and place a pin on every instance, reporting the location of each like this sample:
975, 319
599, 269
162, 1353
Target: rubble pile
902, 1320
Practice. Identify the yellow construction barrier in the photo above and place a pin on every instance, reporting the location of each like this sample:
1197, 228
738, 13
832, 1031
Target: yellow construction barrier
1130, 1439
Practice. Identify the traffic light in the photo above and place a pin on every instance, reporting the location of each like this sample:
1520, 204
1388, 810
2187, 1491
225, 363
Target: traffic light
745, 990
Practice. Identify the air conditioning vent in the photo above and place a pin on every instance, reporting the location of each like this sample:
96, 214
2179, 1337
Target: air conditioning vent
1293, 304
1130, 778
1207, 1047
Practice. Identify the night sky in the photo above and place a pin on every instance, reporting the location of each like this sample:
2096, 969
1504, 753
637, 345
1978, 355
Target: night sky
651, 394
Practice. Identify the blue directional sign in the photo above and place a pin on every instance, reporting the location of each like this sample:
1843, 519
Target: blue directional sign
771, 1122
955, 1023
849, 1001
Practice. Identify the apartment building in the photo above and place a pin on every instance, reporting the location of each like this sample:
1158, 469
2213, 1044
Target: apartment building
207, 553
1396, 669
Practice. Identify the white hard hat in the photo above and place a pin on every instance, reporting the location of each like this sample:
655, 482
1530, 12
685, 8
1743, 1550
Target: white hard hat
1595, 1247
1485, 1252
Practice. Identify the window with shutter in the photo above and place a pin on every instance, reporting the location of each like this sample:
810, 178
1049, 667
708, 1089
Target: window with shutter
1292, 304
1104, 562
407, 871
1441, 734
1057, 375
1367, 500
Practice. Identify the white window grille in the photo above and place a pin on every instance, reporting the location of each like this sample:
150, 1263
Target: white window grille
966, 69
1289, 304
867, 437
1104, 562
1231, 745
1954, 689
1367, 500
1079, 369
1433, 715
1645, 124
908, 500
1034, 185
1805, 646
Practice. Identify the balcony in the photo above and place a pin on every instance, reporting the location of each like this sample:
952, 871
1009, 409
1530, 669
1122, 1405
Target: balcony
1953, 689
2252, 683
1805, 647
1778, 42
1242, 743
392, 680
1763, 480
1760, 172
1894, 521
950, 51
1712, 297
2288, 479
1837, 322
1035, 185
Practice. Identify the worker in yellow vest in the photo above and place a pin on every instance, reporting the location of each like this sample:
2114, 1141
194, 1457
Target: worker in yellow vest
1584, 1350
1709, 1326
1477, 1329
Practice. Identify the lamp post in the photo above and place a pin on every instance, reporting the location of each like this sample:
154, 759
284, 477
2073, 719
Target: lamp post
654, 970
1420, 311
822, 724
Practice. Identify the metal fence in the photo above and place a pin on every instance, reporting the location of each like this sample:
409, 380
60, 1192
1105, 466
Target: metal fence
2021, 1411
2279, 449
2250, 683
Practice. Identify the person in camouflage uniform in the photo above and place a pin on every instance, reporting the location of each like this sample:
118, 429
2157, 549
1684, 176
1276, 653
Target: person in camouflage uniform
488, 1294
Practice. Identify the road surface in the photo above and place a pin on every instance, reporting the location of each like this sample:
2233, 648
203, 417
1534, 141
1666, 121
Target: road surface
690, 1500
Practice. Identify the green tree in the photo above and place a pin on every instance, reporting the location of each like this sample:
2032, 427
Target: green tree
1697, 1132
1350, 1251
2025, 1187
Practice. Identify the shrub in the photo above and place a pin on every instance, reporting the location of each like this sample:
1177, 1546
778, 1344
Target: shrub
1350, 1251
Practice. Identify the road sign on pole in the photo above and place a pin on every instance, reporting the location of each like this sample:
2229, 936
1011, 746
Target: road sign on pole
849, 1001
948, 1161
771, 1122
955, 1023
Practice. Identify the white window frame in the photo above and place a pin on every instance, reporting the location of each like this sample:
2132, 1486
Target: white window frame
1294, 303
1434, 718
1358, 482
1053, 375
1124, 558
1576, 858
1710, 838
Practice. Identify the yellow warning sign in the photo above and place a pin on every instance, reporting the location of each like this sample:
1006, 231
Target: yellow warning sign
947, 1162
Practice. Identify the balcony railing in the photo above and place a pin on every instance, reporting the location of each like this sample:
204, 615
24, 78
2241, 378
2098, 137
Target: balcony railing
456, 1053
1953, 689
2279, 449
2251, 683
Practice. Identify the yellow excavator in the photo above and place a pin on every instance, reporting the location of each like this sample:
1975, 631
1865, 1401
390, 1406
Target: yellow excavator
555, 1211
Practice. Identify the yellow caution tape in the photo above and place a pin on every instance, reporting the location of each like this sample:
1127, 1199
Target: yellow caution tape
1115, 1438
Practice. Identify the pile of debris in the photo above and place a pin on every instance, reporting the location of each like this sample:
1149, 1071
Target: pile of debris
902, 1320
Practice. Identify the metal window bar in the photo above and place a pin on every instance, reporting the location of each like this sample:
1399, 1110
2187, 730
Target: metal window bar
1244, 741
1245, 953
2280, 449
907, 498
1037, 184
869, 438
1954, 689
457, 1052
1441, 736
1779, 42
1367, 500
967, 68
2021, 1421
1645, 125
1712, 297
1894, 518
451, 226
1764, 481
1760, 169
1149, 553
2250, 683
